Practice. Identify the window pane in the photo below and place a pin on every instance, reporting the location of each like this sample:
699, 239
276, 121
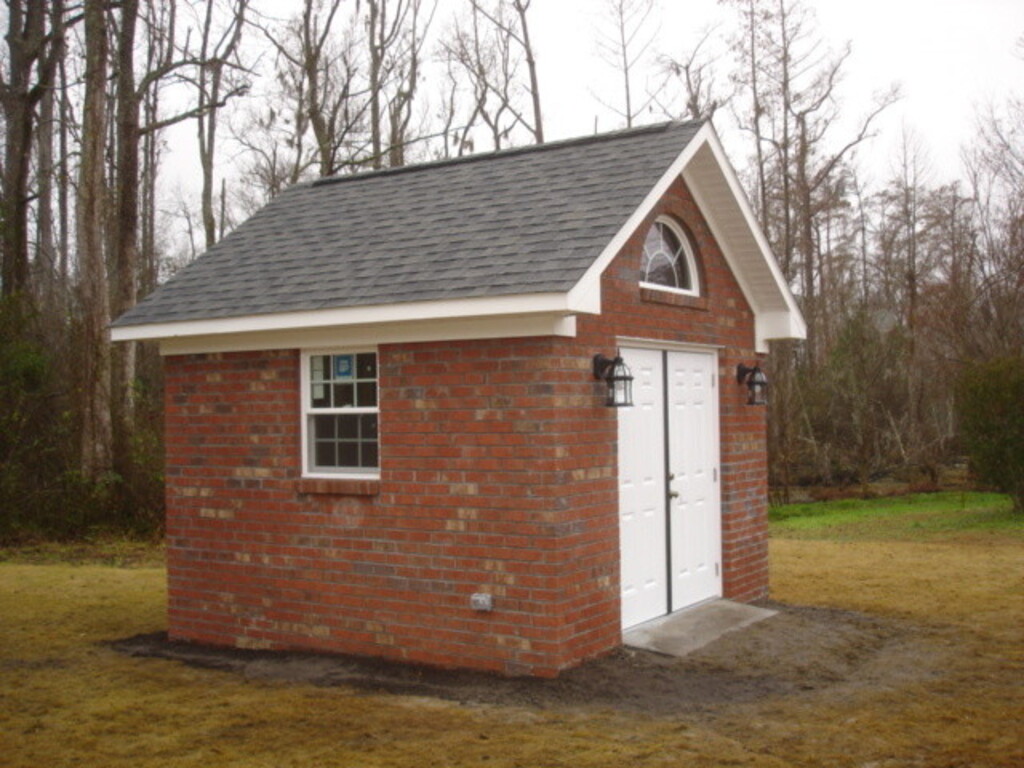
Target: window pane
344, 367
368, 426
683, 274
324, 455
321, 398
348, 454
653, 243
323, 428
344, 395
348, 427
318, 367
369, 457
367, 394
366, 366
661, 271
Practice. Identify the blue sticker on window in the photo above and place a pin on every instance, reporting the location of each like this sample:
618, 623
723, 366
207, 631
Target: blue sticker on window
344, 366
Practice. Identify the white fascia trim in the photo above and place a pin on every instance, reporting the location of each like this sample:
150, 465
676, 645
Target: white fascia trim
632, 342
777, 325
513, 326
585, 296
419, 311
796, 326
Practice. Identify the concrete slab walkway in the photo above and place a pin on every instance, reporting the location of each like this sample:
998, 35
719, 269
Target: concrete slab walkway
683, 632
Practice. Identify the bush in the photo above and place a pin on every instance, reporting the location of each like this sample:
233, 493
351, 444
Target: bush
990, 406
43, 495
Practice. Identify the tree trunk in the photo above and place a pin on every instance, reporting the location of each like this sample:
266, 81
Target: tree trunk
376, 66
95, 364
211, 76
46, 248
29, 45
531, 66
125, 261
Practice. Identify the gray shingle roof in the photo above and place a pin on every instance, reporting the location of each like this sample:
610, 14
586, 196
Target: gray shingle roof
529, 220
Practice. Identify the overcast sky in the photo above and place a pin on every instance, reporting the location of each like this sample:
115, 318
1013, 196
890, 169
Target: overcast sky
948, 56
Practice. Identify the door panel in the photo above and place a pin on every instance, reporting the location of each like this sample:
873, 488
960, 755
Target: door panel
644, 566
694, 517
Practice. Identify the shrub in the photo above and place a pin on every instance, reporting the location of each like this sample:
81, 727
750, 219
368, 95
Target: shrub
990, 406
43, 495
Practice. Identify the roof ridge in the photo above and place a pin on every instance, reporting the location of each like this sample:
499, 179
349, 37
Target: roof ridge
508, 152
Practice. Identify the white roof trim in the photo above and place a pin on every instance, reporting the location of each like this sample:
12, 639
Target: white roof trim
777, 315
504, 327
418, 312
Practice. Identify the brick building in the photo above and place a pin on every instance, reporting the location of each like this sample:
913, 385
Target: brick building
384, 431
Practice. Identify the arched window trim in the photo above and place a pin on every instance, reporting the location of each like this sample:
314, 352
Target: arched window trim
687, 252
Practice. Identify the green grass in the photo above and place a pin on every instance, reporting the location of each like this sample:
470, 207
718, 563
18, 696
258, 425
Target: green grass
115, 552
931, 516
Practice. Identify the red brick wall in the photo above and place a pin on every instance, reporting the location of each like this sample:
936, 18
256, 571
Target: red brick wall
498, 476
490, 482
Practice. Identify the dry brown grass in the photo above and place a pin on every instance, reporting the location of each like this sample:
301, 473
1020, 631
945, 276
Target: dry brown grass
67, 699
968, 598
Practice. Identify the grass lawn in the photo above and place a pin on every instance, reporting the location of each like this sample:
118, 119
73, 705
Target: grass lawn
918, 517
952, 570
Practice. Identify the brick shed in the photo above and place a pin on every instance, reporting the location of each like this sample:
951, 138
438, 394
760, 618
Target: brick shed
385, 436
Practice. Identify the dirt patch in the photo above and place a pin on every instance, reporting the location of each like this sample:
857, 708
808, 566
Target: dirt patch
799, 649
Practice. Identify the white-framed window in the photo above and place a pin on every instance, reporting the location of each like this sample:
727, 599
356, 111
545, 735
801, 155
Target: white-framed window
669, 263
340, 414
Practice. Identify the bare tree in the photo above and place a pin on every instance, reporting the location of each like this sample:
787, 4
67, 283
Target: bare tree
396, 33
695, 72
794, 116
747, 79
318, 67
35, 43
517, 32
214, 89
160, 23
623, 46
48, 282
124, 261
788, 81
481, 50
312, 117
91, 217
995, 166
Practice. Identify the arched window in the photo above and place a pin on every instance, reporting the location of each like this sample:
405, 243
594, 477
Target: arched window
668, 260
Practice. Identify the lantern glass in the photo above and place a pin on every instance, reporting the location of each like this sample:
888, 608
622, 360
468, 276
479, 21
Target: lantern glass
758, 386
620, 385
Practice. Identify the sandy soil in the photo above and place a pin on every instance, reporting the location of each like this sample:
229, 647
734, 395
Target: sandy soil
798, 650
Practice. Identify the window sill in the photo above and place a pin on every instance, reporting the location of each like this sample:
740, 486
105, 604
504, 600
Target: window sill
655, 296
340, 487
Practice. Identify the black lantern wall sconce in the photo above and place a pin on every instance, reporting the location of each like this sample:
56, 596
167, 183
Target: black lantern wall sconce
616, 376
756, 381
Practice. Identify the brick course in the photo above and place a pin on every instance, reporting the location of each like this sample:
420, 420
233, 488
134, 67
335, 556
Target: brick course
498, 475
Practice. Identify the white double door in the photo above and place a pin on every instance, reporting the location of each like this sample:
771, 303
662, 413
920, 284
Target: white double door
669, 500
